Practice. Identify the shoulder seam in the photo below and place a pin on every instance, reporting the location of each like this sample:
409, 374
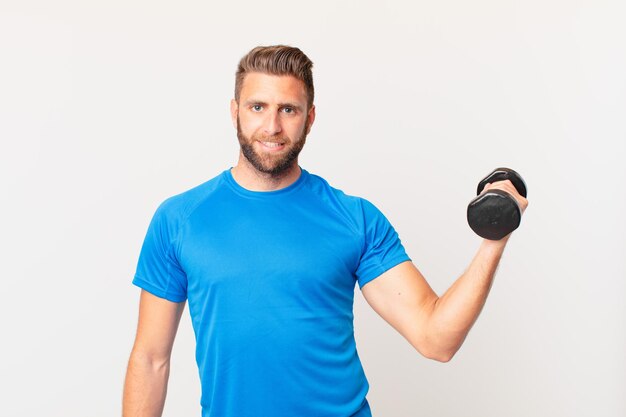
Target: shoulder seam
175, 244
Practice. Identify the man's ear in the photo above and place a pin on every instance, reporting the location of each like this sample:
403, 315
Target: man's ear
234, 110
310, 119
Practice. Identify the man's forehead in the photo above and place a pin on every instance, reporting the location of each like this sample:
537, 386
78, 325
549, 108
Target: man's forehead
259, 83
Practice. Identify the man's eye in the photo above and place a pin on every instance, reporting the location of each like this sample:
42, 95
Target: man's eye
257, 107
288, 110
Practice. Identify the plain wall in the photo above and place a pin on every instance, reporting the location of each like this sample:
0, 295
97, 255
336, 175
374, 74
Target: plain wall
109, 107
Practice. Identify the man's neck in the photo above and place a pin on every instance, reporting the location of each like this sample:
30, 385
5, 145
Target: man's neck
251, 179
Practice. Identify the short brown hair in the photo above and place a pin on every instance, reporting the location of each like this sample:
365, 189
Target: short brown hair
277, 60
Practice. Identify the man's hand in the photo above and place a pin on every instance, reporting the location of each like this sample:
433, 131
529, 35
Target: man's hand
508, 187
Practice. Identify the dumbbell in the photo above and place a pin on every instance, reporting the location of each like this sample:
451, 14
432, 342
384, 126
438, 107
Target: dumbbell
495, 214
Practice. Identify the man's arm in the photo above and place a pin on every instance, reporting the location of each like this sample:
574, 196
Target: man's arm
149, 365
437, 326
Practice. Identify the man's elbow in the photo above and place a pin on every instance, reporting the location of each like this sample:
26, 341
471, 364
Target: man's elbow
439, 352
442, 357
154, 360
439, 355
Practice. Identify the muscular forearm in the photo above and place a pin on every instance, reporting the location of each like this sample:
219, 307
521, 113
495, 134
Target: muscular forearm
455, 312
145, 387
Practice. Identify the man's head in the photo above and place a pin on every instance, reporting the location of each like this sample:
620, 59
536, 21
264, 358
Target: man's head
273, 108
277, 60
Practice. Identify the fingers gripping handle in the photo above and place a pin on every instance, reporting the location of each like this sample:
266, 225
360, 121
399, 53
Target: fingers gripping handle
502, 174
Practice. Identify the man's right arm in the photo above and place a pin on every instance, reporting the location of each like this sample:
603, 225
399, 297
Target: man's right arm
149, 365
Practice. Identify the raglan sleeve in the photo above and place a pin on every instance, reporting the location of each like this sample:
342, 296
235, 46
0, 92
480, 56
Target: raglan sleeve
382, 248
158, 270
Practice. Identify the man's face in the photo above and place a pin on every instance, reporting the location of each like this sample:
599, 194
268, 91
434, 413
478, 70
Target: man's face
272, 121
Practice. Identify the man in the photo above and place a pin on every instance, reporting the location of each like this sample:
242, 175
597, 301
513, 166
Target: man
268, 256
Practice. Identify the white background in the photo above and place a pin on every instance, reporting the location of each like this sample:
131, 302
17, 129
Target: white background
109, 107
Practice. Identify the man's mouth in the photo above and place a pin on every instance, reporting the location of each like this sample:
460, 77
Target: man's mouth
274, 146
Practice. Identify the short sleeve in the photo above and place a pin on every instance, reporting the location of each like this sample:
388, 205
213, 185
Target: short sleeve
158, 270
382, 248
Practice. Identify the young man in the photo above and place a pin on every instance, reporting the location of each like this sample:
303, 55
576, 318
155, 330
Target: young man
268, 255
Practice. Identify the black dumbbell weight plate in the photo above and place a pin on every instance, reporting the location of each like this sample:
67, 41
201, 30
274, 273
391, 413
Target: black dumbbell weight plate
494, 214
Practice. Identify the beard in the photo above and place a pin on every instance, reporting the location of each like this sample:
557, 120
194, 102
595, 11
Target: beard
273, 165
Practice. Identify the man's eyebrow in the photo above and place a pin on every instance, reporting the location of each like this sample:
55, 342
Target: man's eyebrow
252, 101
292, 105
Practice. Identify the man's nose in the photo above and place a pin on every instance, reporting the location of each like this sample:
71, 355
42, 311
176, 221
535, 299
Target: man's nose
272, 123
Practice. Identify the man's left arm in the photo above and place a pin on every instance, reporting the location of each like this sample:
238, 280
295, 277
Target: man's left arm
437, 326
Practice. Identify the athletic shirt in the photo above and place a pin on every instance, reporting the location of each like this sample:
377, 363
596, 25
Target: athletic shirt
270, 278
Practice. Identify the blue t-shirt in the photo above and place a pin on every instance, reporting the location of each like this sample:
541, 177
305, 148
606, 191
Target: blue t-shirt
270, 277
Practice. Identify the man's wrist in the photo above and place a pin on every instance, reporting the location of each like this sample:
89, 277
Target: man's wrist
495, 246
